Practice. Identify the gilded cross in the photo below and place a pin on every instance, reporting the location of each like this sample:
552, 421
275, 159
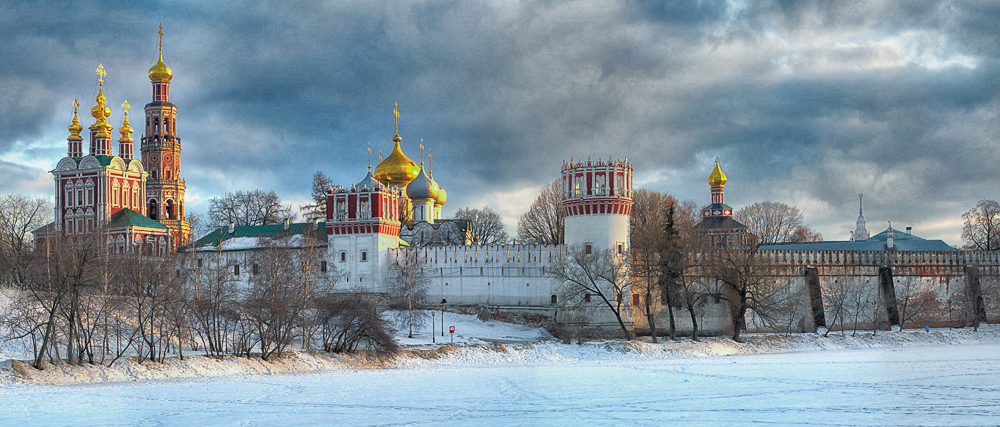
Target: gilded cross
369, 156
395, 112
160, 32
75, 106
101, 73
126, 106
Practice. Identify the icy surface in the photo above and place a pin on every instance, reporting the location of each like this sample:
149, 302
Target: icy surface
916, 385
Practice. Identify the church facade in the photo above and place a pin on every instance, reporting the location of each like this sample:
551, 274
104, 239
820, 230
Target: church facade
138, 201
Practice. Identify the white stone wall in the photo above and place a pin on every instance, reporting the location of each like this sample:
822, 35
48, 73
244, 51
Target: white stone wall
510, 275
603, 231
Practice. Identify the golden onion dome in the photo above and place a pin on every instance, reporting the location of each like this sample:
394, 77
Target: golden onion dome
422, 188
101, 111
717, 178
160, 72
397, 169
442, 196
126, 129
75, 128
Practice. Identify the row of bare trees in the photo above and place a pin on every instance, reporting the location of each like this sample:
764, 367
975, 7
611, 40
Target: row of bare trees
670, 267
80, 302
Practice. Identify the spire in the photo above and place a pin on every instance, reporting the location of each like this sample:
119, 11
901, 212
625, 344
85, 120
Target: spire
160, 72
75, 140
421, 153
125, 142
370, 156
430, 161
395, 112
861, 231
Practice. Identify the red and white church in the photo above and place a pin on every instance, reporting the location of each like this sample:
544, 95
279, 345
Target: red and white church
138, 202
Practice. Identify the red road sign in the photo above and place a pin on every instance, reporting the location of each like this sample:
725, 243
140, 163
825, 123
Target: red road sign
451, 329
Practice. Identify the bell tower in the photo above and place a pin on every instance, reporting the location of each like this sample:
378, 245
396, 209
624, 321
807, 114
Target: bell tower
161, 155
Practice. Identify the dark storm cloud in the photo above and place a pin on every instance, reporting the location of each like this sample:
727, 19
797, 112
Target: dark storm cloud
809, 102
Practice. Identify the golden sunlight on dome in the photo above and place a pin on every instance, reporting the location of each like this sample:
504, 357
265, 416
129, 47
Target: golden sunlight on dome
160, 72
397, 169
717, 178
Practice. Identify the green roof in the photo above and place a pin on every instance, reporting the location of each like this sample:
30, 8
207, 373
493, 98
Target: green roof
45, 228
272, 231
104, 160
130, 218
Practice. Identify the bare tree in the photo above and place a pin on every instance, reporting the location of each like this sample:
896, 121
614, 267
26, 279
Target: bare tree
601, 273
914, 298
350, 322
200, 225
649, 238
408, 290
747, 284
837, 300
543, 223
487, 226
213, 299
982, 226
859, 299
19, 216
254, 207
774, 222
62, 272
317, 208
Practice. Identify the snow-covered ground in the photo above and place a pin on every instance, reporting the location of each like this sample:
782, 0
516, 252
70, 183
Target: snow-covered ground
511, 374
918, 385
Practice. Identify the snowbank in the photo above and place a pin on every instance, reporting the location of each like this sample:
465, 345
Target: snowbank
488, 344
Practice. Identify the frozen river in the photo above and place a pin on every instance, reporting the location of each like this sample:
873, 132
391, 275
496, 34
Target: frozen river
950, 385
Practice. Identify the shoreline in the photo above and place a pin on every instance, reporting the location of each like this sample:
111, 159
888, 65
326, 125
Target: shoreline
482, 354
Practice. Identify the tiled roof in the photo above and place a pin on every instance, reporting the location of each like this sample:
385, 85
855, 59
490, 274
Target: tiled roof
128, 217
902, 242
719, 223
272, 231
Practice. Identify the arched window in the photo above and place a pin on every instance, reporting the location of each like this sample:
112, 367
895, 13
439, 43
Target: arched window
114, 193
152, 209
68, 222
156, 125
89, 220
79, 193
169, 210
135, 197
68, 202
125, 191
78, 227
90, 192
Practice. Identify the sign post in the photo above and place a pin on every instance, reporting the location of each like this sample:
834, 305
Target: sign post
452, 330
432, 326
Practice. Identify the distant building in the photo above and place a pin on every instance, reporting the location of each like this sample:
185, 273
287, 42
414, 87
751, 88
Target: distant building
717, 226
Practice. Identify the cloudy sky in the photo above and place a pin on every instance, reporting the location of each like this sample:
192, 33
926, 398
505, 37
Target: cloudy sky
807, 103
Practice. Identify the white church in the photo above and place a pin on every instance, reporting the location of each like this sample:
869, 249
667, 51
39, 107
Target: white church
365, 236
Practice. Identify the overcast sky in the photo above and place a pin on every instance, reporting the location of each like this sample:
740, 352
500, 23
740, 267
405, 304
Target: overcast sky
807, 103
